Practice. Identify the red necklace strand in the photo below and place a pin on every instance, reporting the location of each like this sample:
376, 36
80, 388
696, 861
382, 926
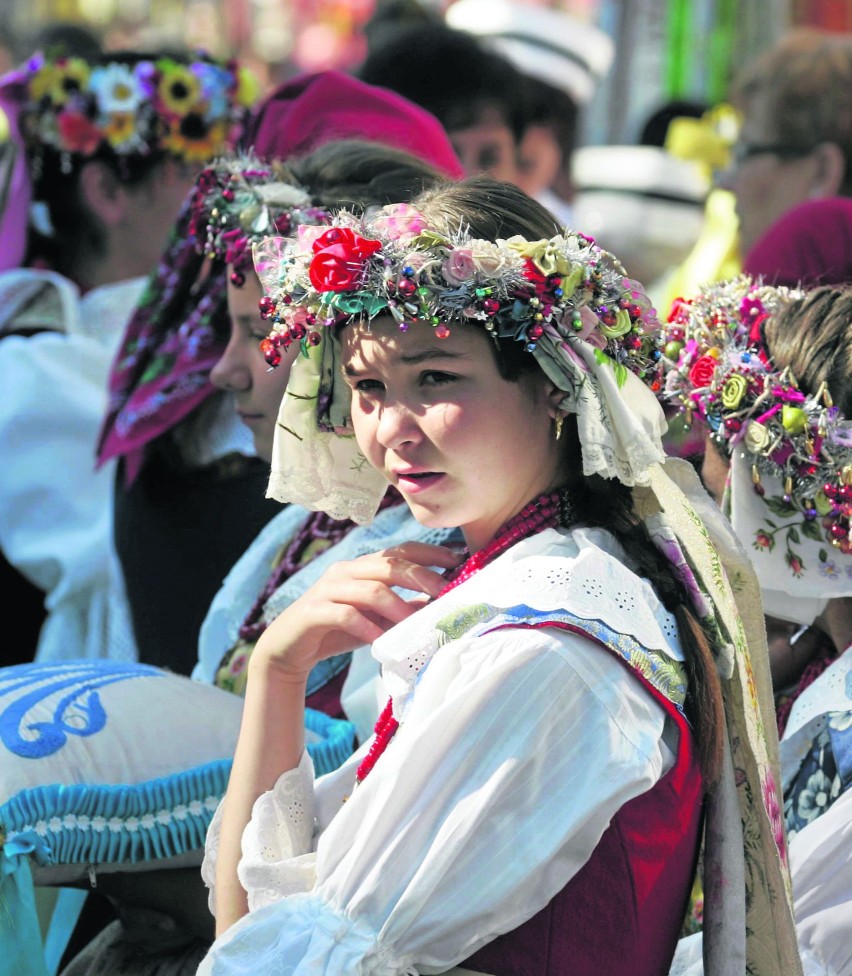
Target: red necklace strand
545, 512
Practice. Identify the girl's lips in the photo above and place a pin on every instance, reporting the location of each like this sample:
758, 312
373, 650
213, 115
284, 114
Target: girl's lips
413, 482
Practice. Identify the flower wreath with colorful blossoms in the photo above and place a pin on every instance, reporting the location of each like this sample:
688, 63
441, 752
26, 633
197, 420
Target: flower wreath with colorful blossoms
790, 487
189, 110
239, 200
591, 329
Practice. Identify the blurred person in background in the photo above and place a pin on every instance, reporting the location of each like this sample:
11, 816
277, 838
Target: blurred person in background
795, 140
475, 94
767, 370
562, 60
101, 154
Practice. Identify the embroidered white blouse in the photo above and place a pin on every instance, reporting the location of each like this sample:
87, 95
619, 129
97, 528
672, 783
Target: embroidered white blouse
515, 750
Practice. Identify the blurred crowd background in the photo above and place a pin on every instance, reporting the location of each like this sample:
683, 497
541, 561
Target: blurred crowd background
667, 49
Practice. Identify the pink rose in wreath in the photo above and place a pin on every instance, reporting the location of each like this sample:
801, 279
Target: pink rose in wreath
340, 258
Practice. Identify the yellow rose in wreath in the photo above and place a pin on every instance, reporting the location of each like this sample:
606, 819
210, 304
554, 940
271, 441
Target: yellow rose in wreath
735, 388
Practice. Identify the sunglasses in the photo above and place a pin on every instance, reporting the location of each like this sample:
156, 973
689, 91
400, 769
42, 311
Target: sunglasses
743, 151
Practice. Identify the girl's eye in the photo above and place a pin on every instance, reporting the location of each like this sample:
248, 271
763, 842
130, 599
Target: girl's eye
436, 378
369, 386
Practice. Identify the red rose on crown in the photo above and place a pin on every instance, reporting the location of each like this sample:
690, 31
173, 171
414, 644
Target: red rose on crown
78, 134
702, 371
340, 257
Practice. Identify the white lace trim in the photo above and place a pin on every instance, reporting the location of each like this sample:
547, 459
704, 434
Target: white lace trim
579, 571
276, 844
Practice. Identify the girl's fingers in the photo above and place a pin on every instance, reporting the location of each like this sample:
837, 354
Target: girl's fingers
425, 554
375, 597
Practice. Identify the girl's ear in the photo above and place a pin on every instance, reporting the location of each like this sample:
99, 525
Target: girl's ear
554, 396
103, 192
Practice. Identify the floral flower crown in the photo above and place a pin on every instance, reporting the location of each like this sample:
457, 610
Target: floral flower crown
190, 110
392, 262
239, 200
717, 367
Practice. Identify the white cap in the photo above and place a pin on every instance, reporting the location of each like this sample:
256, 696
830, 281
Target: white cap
546, 44
641, 203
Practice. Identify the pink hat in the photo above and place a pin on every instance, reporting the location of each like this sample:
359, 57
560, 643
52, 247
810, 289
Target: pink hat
310, 110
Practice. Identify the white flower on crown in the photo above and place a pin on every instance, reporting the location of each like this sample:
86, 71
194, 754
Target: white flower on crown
282, 195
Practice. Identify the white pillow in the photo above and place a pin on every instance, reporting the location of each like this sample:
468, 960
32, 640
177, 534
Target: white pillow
107, 765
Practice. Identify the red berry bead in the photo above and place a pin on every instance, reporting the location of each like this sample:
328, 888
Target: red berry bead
270, 351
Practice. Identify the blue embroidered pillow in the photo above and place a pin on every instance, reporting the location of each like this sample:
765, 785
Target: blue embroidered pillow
107, 765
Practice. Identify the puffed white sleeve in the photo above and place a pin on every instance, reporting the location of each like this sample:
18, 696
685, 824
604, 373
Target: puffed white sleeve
517, 750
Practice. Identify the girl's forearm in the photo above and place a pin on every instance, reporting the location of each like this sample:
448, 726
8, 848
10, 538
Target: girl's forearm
271, 741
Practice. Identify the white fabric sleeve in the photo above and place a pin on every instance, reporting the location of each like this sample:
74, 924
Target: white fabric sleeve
55, 508
518, 749
821, 869
274, 842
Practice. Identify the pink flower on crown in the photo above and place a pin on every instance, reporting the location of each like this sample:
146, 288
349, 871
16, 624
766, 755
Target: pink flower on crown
398, 221
307, 235
459, 266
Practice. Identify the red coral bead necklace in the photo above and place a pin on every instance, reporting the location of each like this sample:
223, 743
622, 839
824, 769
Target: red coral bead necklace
545, 512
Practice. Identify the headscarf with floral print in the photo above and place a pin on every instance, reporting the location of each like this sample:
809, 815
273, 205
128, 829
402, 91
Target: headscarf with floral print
236, 200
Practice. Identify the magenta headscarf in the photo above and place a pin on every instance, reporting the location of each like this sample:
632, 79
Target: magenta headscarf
809, 245
176, 335
15, 188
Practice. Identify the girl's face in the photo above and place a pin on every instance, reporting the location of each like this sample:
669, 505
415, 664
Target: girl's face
244, 372
464, 446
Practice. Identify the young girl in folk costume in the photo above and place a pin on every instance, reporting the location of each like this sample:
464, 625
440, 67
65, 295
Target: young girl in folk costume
768, 371
560, 722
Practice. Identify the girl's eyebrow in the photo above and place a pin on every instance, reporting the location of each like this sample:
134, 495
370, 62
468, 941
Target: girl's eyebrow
427, 355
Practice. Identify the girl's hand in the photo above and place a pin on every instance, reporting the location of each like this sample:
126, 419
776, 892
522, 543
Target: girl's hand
353, 603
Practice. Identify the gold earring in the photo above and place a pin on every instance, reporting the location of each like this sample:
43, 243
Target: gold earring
557, 423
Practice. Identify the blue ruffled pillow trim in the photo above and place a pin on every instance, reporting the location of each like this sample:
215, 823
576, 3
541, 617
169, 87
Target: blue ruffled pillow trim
128, 824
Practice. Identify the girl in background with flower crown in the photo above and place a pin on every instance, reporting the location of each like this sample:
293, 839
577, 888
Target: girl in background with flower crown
775, 392
560, 722
237, 201
101, 155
